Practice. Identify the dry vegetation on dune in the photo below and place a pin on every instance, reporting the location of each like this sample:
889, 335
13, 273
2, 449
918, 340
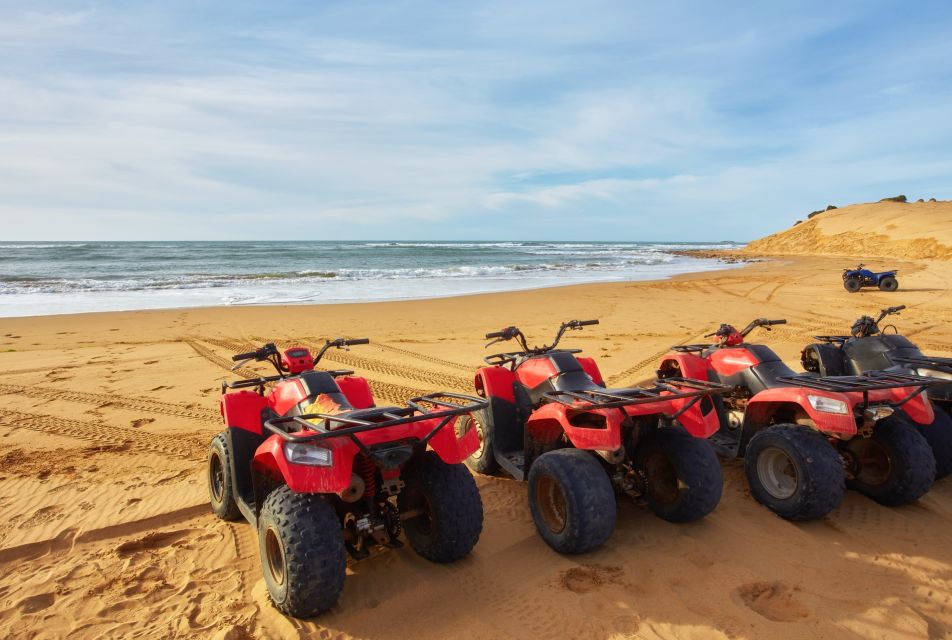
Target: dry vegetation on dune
891, 228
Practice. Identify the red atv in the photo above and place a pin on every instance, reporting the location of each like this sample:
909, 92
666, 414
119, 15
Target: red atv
318, 469
551, 417
804, 437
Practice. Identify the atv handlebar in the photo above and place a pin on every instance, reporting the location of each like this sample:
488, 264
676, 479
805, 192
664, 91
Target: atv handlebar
339, 343
506, 334
889, 311
514, 332
258, 354
761, 322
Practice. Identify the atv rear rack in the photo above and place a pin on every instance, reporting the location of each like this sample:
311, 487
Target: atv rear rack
413, 412
674, 388
837, 340
926, 362
871, 381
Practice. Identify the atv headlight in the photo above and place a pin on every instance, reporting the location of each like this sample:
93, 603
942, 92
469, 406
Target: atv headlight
308, 454
828, 405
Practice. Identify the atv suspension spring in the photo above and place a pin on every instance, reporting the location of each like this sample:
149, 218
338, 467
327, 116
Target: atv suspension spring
369, 473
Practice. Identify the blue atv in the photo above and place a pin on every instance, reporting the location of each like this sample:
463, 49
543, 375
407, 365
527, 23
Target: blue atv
856, 279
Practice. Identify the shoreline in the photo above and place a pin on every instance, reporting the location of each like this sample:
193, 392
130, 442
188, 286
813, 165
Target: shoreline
728, 261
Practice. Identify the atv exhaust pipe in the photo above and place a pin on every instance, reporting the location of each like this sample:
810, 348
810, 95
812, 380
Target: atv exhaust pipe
354, 491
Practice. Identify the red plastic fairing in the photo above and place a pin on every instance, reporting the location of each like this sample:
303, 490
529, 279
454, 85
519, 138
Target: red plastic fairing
546, 419
535, 371
733, 360
453, 450
697, 423
919, 408
688, 365
303, 478
243, 410
495, 382
307, 479
286, 394
357, 391
591, 368
763, 405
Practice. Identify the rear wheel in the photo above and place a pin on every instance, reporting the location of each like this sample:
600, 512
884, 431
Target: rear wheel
888, 283
572, 500
895, 466
448, 512
221, 484
852, 284
939, 436
302, 552
482, 460
793, 471
682, 475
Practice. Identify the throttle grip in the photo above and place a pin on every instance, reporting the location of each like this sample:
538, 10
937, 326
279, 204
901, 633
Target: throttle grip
357, 341
244, 356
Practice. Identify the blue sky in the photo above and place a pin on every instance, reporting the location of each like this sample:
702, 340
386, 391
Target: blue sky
453, 120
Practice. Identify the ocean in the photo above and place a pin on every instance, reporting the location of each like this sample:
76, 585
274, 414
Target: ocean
43, 278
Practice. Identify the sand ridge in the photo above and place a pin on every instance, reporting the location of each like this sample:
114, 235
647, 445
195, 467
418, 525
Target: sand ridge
104, 420
906, 230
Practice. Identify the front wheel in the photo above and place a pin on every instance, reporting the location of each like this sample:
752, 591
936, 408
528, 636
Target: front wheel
302, 552
446, 512
483, 460
852, 284
793, 471
572, 500
682, 475
888, 283
893, 467
221, 484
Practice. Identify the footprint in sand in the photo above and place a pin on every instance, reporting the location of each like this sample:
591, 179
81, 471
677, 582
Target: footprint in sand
36, 603
589, 577
775, 601
41, 516
141, 422
151, 542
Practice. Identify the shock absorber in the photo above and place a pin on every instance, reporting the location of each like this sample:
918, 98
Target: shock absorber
369, 473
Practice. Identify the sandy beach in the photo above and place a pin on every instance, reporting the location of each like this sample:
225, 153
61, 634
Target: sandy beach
105, 419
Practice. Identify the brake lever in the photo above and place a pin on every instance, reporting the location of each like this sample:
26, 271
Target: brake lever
240, 364
489, 344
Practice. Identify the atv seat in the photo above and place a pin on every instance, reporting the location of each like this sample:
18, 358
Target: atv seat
570, 376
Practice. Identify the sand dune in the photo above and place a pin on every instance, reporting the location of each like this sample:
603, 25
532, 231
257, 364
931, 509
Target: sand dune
914, 230
104, 420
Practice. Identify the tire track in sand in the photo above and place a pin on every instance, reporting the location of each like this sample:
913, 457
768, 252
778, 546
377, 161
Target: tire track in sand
188, 447
443, 381
216, 359
110, 400
395, 393
424, 357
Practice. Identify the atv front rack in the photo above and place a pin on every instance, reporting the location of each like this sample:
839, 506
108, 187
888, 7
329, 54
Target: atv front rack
926, 362
837, 340
415, 411
674, 388
871, 381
